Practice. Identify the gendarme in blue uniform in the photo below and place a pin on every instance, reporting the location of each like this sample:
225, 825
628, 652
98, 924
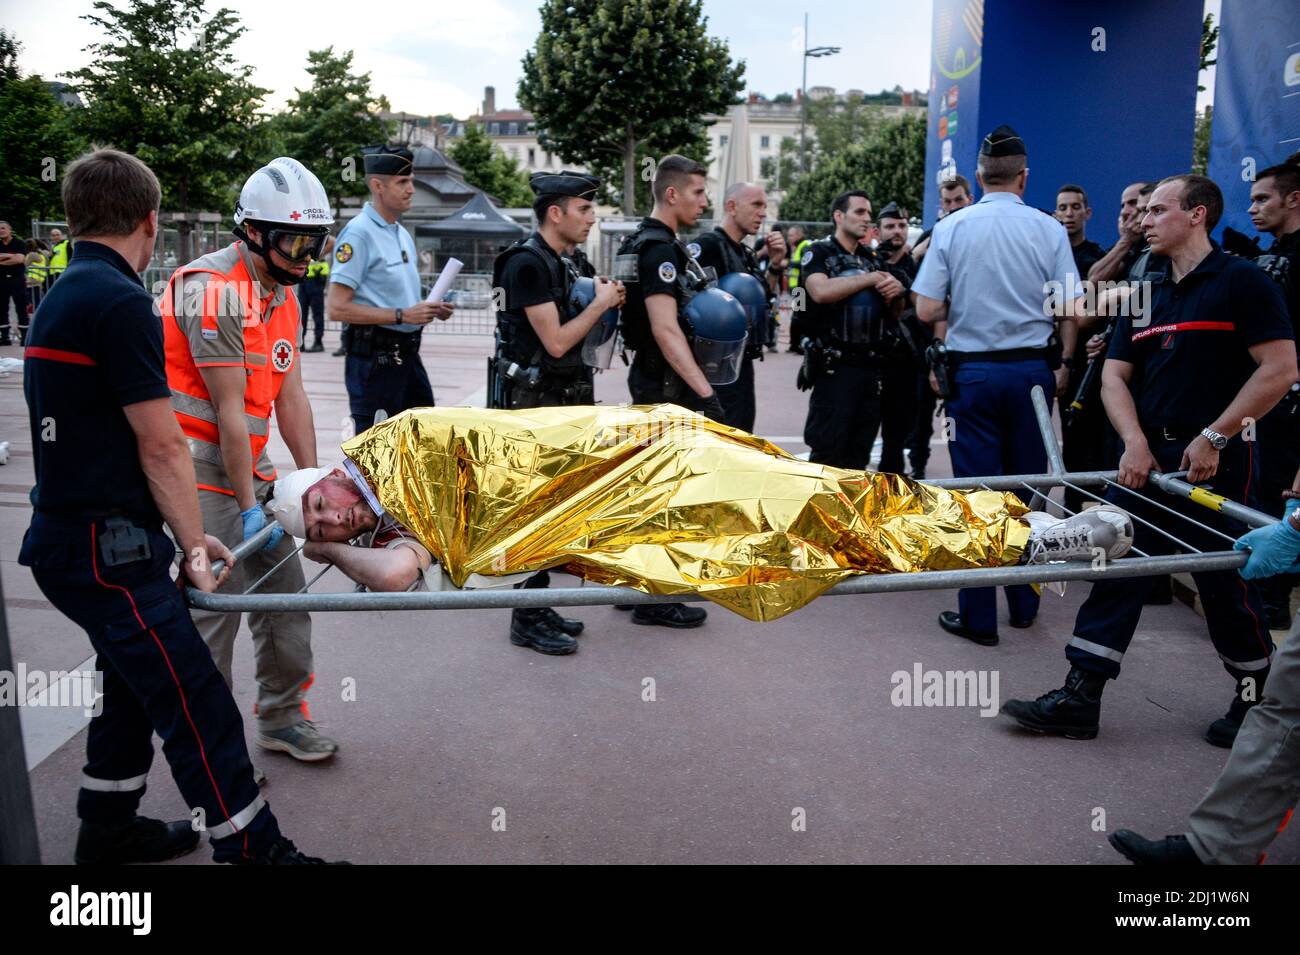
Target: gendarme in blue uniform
377, 260
994, 261
98, 552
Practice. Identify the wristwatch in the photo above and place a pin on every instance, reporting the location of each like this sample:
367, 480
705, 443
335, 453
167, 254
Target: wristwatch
1217, 441
398, 320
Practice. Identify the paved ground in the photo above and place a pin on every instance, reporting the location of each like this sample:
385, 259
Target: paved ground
452, 728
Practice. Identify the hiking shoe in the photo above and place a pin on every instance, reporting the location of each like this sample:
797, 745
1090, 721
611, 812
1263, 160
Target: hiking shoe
302, 741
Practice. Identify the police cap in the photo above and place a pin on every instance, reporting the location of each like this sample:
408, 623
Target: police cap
566, 183
387, 160
891, 211
1003, 141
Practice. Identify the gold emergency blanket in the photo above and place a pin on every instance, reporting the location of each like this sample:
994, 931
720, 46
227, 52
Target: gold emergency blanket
666, 501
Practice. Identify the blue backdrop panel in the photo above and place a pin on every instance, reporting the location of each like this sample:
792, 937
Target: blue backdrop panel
1256, 98
1101, 118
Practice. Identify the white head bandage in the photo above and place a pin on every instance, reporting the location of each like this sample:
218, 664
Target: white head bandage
285, 504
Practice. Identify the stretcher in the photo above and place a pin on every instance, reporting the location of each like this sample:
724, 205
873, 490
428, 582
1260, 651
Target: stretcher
1090, 484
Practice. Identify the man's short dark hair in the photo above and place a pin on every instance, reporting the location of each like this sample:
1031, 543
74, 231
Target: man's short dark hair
1001, 170
1285, 176
544, 202
954, 182
107, 192
1199, 191
1148, 187
841, 203
1071, 187
675, 171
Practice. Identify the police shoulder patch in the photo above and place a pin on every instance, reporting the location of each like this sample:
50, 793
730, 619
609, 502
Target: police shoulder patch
344, 252
807, 257
694, 249
667, 272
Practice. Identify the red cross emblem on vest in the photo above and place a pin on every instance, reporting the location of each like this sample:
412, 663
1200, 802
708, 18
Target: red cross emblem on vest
282, 355
295, 215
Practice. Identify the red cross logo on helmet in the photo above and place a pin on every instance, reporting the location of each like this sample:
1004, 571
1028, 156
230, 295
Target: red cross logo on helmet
295, 215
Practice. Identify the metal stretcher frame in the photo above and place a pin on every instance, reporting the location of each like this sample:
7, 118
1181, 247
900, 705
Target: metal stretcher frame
1141, 565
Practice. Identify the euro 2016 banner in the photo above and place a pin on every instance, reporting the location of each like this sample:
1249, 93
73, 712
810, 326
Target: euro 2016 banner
1256, 99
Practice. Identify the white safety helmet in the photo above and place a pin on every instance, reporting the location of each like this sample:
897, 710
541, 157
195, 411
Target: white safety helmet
285, 504
290, 209
284, 192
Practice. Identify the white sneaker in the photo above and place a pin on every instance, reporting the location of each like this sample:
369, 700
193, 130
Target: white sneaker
1103, 528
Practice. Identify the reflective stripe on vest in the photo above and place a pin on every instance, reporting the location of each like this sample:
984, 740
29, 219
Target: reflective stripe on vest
269, 353
318, 269
796, 261
38, 270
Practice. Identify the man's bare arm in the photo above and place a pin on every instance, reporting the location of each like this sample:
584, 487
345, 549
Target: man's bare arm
932, 311
1107, 268
165, 458
342, 308
825, 290
662, 309
1273, 377
294, 417
387, 569
226, 388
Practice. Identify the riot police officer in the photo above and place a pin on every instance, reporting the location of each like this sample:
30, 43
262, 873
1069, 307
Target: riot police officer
903, 341
723, 250
662, 277
545, 341
375, 292
846, 295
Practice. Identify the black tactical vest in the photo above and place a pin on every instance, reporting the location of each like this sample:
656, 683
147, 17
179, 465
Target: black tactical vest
690, 281
824, 316
518, 341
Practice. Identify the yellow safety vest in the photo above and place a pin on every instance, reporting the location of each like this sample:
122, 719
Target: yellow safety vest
37, 271
318, 269
796, 259
59, 258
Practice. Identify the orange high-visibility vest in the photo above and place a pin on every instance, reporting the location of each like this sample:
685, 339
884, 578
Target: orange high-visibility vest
270, 347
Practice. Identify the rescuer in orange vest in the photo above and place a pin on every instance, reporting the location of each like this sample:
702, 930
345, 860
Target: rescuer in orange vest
230, 329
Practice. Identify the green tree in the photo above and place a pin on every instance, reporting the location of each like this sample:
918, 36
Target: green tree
164, 85
838, 126
611, 80
1201, 141
488, 167
1209, 41
326, 126
890, 166
36, 139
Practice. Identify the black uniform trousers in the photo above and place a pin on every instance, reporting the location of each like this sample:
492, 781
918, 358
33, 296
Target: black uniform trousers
918, 439
13, 290
1234, 613
377, 383
1088, 441
311, 298
844, 416
553, 392
158, 677
653, 382
898, 401
738, 400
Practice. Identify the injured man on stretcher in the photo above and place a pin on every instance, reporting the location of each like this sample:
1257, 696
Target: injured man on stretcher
651, 497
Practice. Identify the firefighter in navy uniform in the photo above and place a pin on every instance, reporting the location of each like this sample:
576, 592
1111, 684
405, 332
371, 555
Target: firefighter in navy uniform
723, 250
846, 295
662, 277
112, 465
544, 336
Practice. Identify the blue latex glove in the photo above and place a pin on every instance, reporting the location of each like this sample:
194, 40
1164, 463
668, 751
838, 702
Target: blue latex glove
1273, 550
254, 520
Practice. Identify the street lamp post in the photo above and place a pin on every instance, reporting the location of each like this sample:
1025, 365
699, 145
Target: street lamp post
803, 92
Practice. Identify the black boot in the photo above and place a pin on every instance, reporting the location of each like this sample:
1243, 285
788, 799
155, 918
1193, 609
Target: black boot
951, 620
136, 840
1223, 731
528, 628
562, 624
1171, 850
284, 852
316, 346
676, 616
1073, 711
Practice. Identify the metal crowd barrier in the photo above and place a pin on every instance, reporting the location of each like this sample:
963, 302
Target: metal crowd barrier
1139, 564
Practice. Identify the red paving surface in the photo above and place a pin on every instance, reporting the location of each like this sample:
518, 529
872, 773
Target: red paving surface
453, 728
